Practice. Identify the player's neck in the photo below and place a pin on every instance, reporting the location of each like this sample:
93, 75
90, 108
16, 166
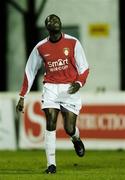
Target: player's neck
54, 37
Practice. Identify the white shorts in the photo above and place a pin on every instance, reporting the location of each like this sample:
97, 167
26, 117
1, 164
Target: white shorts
56, 95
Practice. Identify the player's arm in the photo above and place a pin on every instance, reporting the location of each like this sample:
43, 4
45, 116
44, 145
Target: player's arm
82, 68
33, 64
81, 64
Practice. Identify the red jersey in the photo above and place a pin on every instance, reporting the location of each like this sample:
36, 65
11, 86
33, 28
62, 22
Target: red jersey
64, 62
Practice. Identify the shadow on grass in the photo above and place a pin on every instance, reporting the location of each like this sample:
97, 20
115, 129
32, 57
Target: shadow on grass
21, 171
79, 167
76, 167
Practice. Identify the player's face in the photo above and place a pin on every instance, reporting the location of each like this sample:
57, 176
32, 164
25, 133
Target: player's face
53, 24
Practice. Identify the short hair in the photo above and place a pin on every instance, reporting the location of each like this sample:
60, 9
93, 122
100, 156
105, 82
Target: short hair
51, 15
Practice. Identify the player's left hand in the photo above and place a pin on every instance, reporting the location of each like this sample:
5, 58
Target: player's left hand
74, 88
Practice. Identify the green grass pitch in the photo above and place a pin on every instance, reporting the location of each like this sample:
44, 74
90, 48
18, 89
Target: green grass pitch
30, 165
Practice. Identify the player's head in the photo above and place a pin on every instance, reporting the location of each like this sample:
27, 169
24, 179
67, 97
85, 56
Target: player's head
53, 23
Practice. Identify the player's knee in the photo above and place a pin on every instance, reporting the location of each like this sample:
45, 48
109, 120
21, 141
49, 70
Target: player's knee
51, 118
51, 126
70, 131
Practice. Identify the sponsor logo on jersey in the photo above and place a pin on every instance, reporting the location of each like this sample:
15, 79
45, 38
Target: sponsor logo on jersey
58, 65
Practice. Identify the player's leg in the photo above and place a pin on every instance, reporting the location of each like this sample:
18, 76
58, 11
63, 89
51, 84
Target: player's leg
71, 129
50, 138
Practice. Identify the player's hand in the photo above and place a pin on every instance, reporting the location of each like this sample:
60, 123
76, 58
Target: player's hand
74, 88
20, 105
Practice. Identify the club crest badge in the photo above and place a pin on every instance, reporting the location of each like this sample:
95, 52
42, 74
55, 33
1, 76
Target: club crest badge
66, 51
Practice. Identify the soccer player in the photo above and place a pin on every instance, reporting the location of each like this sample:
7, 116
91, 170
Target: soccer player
66, 70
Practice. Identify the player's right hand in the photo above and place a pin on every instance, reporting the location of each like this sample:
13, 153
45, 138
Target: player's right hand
20, 105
